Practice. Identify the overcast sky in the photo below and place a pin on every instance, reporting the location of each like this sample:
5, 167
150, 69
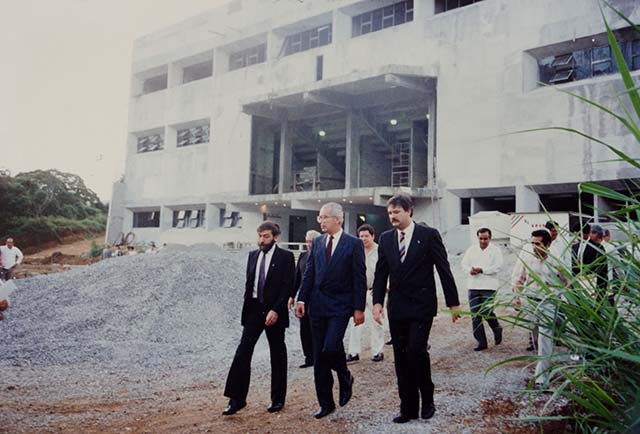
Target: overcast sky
64, 81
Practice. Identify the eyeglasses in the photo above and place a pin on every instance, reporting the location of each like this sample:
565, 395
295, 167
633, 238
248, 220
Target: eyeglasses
322, 218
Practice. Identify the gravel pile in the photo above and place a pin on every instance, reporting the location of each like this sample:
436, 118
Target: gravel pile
180, 307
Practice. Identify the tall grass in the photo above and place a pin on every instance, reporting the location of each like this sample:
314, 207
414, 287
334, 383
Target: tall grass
596, 366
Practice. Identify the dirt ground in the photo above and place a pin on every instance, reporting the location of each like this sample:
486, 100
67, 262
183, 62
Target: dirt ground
467, 400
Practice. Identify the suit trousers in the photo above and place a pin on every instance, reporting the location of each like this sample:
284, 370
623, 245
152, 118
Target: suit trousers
306, 339
480, 303
412, 363
237, 386
328, 353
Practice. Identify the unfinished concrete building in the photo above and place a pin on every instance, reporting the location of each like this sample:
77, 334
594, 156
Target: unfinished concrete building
264, 109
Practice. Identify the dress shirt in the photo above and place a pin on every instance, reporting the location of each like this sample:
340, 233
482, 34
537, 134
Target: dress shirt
336, 239
371, 261
10, 256
408, 234
489, 259
560, 252
545, 271
267, 263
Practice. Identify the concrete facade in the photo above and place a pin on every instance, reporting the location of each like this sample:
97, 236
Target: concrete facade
471, 72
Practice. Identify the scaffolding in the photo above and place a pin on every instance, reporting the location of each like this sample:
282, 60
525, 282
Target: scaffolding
400, 164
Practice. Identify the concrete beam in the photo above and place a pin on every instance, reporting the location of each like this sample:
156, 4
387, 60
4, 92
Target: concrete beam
352, 152
276, 113
332, 99
407, 83
527, 200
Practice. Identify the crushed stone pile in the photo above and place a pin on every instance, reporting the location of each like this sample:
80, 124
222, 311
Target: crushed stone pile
180, 307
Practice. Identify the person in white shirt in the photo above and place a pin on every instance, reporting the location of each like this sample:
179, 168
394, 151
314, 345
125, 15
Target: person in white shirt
10, 258
366, 233
481, 263
560, 250
535, 299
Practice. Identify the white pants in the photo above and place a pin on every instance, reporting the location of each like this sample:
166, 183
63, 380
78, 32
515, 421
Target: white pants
542, 312
376, 331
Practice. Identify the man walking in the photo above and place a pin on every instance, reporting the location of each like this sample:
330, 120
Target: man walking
10, 258
376, 331
305, 325
481, 263
333, 289
407, 255
270, 274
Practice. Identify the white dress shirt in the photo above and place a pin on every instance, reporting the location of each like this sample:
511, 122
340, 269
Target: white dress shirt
371, 261
267, 263
545, 271
408, 235
10, 256
336, 239
489, 259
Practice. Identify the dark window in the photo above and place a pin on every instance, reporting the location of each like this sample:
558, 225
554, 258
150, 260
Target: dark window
154, 84
303, 41
248, 57
193, 136
635, 54
153, 142
382, 18
319, 67
447, 5
197, 71
601, 61
188, 218
146, 219
465, 210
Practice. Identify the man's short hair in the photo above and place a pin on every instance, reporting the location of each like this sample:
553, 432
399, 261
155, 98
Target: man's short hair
269, 226
483, 230
551, 225
367, 227
402, 200
311, 234
597, 229
544, 234
586, 229
607, 233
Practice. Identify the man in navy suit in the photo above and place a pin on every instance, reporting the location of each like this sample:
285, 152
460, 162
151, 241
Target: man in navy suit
333, 289
270, 274
407, 255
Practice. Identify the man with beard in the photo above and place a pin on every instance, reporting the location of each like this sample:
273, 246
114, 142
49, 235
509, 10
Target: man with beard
333, 289
270, 274
407, 255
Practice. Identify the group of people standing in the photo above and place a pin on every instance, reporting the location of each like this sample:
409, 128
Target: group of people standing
342, 279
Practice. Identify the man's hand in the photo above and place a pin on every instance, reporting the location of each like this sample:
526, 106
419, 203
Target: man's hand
300, 310
473, 271
272, 318
358, 317
378, 313
291, 302
455, 316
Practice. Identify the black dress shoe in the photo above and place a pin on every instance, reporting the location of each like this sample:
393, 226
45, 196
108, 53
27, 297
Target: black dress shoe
378, 357
324, 412
389, 342
531, 348
480, 348
346, 391
401, 418
427, 413
306, 365
497, 334
234, 407
351, 358
275, 406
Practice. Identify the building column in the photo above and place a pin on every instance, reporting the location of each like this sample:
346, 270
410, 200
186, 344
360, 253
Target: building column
527, 200
174, 75
212, 217
431, 141
166, 218
285, 180
423, 9
341, 26
352, 157
350, 223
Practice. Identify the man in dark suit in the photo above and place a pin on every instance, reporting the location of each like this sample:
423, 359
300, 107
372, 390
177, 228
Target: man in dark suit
333, 289
270, 274
305, 325
407, 255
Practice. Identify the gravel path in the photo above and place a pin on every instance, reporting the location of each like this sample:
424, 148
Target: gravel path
143, 344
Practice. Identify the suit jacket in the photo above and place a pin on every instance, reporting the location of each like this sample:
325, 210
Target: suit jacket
277, 287
412, 286
338, 288
594, 260
300, 266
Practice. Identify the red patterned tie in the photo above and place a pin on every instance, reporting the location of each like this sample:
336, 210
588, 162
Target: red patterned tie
329, 248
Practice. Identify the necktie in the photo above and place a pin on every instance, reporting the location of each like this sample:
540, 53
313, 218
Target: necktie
402, 247
329, 248
261, 278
